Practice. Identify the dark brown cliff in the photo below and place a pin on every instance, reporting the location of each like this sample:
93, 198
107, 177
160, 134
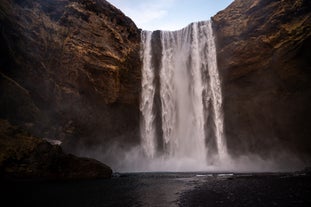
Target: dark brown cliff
70, 70
265, 59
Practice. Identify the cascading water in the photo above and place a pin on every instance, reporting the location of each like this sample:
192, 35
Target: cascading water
147, 129
188, 121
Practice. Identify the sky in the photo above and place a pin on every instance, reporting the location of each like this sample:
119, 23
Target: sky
169, 14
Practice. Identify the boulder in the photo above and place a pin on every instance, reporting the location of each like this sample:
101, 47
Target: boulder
23, 156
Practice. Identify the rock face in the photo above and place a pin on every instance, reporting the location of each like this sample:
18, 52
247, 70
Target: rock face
25, 156
264, 57
70, 70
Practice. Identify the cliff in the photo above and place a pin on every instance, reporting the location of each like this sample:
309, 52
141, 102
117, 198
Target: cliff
70, 70
264, 57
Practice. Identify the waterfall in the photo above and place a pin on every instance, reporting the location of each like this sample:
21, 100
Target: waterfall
147, 129
188, 122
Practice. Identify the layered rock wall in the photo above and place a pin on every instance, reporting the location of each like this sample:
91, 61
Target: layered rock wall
70, 70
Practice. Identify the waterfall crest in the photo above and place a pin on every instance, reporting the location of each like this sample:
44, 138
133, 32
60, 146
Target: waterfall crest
180, 70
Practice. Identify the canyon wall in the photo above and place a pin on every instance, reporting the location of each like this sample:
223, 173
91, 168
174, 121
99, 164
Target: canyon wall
265, 60
70, 70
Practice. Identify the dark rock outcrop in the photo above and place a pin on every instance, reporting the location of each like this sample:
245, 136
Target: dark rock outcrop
70, 70
27, 157
264, 57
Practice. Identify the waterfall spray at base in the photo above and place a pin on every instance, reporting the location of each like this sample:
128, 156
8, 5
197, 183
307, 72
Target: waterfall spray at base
181, 102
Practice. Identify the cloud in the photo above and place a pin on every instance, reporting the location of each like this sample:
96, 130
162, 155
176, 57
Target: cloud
144, 12
146, 15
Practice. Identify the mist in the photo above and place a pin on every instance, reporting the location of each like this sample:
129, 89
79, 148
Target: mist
133, 159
